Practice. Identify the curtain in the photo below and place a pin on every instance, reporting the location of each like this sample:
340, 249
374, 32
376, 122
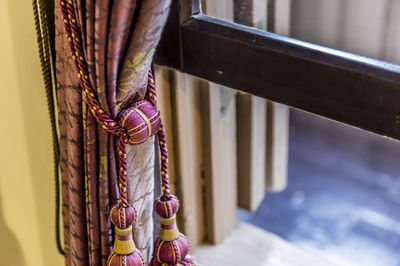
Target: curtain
119, 40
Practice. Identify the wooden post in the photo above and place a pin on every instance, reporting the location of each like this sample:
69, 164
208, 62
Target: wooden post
251, 122
277, 146
251, 150
277, 114
189, 153
219, 135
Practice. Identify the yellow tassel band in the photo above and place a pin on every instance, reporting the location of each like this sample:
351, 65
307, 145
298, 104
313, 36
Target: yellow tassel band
123, 244
168, 221
169, 230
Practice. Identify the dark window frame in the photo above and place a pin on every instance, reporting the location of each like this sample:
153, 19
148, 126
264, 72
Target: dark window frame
349, 88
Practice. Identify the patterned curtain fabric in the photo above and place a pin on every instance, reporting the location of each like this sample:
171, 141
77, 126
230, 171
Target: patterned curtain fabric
119, 39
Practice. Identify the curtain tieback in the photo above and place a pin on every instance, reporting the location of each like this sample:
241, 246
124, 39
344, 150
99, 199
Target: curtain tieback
135, 125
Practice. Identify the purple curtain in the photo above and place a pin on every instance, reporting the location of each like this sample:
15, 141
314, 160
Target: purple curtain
119, 39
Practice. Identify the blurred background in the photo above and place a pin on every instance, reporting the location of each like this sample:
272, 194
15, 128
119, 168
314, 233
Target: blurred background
342, 199
343, 194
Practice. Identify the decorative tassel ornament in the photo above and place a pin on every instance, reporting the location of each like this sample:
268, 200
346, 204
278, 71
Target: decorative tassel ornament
170, 247
125, 252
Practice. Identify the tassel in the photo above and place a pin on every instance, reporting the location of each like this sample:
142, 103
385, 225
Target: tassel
170, 247
125, 252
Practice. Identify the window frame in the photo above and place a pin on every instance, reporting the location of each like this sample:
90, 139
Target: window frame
346, 87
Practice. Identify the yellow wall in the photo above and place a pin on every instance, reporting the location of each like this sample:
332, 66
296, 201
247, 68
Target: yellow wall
26, 175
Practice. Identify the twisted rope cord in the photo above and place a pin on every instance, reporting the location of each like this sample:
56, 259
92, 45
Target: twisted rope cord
123, 197
43, 40
162, 141
90, 96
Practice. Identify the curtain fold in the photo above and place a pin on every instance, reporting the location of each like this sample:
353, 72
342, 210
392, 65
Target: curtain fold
119, 39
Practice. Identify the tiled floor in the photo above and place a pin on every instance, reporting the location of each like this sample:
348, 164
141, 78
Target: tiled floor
343, 197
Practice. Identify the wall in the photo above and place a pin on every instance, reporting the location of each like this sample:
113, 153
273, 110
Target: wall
26, 174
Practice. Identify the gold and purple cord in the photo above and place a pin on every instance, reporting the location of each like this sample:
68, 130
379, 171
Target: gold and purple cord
134, 125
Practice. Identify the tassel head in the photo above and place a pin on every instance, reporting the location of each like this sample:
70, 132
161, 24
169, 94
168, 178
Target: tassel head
123, 217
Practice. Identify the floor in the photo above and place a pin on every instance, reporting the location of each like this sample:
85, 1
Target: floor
343, 197
258, 248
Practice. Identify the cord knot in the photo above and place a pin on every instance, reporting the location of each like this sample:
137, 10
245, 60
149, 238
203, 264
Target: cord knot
140, 121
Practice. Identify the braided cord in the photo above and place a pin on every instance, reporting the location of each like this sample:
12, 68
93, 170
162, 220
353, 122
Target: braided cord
73, 33
162, 141
122, 174
43, 40
90, 96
